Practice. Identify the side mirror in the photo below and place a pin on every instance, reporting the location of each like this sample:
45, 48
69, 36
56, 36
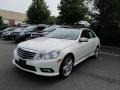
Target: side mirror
83, 40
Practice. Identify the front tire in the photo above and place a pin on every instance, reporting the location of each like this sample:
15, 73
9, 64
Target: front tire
66, 67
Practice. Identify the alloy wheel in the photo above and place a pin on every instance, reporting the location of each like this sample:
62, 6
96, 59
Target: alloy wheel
67, 68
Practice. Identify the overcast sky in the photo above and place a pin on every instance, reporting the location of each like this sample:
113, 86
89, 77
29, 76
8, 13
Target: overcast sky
22, 5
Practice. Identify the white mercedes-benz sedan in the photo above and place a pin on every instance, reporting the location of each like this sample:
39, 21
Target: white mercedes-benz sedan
57, 53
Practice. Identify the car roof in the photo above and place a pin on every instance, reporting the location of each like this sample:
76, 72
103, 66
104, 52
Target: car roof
80, 29
40, 25
70, 29
43, 25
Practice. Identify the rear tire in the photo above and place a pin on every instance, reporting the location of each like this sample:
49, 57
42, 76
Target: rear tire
96, 54
66, 67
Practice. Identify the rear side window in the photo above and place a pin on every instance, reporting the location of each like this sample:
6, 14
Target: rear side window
91, 34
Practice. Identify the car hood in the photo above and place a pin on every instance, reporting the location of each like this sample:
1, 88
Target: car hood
46, 44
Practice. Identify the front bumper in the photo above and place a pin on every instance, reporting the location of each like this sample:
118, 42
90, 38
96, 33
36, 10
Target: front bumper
37, 66
18, 37
8, 37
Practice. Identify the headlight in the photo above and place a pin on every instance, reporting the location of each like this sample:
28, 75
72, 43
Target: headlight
22, 33
51, 55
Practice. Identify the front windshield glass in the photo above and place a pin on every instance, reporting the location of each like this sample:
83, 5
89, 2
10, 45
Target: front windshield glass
30, 28
19, 29
62, 33
8, 29
49, 29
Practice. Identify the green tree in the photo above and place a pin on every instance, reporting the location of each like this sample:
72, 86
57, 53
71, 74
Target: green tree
2, 25
51, 20
109, 12
71, 11
38, 12
1, 22
109, 20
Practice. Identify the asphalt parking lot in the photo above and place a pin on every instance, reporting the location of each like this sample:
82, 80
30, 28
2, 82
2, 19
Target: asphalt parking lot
93, 74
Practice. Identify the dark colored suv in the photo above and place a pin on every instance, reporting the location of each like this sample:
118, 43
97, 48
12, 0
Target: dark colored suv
22, 35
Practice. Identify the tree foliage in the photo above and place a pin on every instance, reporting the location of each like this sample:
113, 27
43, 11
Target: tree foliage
51, 20
109, 12
38, 12
109, 20
1, 22
2, 25
71, 11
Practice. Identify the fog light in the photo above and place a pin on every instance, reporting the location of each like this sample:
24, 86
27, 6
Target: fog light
47, 70
59, 61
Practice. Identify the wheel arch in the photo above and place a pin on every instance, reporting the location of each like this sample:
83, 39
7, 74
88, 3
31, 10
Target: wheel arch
98, 46
70, 54
60, 69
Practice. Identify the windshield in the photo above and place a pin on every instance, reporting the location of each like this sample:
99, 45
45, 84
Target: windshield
62, 33
19, 29
30, 28
50, 29
8, 29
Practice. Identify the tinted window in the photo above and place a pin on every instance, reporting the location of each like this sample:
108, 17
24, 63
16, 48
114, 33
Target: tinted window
62, 33
85, 34
40, 28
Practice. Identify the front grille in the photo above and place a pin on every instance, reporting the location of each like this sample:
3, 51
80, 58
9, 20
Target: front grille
23, 65
25, 54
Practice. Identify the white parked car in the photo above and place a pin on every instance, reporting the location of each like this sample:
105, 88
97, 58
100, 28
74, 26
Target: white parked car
57, 53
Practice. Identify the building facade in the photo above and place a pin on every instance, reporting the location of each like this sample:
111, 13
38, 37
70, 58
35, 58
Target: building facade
12, 18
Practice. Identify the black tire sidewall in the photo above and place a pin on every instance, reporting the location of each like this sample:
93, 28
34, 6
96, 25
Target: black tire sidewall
62, 65
95, 53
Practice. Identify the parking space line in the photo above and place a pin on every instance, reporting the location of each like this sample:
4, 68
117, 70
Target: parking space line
110, 47
116, 55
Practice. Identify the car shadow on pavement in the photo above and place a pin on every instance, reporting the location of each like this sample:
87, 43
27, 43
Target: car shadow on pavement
83, 63
42, 80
